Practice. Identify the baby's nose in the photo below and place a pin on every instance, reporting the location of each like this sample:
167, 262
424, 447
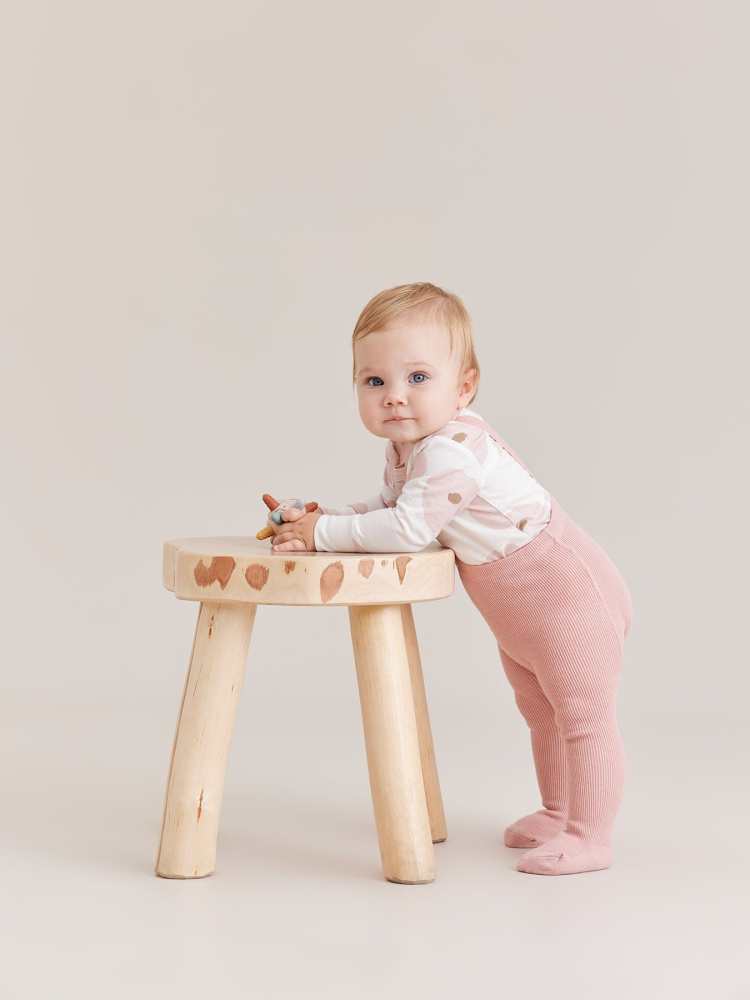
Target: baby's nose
396, 395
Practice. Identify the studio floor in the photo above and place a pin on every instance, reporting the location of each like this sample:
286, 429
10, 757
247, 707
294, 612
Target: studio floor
298, 906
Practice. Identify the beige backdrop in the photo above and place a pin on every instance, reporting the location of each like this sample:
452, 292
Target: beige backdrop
198, 200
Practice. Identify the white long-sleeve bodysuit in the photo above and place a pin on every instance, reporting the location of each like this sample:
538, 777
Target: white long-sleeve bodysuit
461, 485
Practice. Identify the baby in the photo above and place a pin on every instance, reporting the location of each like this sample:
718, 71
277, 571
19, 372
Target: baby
554, 600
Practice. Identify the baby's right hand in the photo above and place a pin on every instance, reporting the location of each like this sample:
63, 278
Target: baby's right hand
302, 536
293, 514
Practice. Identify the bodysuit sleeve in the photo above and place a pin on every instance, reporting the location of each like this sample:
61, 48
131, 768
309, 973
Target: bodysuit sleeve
360, 506
444, 477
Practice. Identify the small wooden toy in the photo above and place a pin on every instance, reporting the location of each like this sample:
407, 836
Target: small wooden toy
276, 509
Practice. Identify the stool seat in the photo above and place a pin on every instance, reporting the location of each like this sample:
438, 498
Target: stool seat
231, 577
244, 569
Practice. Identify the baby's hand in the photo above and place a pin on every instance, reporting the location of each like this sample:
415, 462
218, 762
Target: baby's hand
297, 533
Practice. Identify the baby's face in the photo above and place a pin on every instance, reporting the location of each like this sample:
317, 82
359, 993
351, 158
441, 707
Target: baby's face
405, 371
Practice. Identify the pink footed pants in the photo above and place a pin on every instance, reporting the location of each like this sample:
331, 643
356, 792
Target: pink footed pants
560, 611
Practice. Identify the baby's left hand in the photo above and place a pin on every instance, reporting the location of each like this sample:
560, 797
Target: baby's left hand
297, 533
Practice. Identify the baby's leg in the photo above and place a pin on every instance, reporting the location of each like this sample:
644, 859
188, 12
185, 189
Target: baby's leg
548, 748
579, 677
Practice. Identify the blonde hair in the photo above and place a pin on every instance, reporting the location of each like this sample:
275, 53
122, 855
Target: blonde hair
424, 301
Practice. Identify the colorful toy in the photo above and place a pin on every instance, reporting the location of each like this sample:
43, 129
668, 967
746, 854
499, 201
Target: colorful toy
276, 509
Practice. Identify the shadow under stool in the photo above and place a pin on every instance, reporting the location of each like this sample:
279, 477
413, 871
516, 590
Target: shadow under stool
231, 577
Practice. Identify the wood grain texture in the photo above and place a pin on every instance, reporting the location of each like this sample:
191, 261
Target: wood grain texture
392, 744
200, 752
424, 730
243, 569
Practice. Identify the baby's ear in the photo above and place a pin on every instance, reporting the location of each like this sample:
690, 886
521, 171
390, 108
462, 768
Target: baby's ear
468, 382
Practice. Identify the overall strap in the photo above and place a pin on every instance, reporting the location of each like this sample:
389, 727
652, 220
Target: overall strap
495, 437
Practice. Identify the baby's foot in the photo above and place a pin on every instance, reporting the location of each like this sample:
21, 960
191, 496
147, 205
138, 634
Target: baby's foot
535, 829
565, 854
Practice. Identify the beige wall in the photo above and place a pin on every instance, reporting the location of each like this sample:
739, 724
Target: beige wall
198, 204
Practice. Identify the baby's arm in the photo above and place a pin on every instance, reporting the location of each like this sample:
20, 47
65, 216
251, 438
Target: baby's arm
363, 506
448, 479
302, 536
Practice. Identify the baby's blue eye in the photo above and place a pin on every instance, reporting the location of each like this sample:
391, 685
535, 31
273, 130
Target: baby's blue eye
421, 375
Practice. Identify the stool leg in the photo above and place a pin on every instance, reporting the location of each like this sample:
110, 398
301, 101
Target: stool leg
424, 731
200, 753
392, 743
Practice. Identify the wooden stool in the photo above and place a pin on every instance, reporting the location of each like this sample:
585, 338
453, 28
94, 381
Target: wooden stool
231, 577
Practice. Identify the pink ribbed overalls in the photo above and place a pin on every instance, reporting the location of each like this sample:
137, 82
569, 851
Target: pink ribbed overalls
560, 611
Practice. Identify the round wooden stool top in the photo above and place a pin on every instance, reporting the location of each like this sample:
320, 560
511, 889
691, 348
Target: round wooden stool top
244, 569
